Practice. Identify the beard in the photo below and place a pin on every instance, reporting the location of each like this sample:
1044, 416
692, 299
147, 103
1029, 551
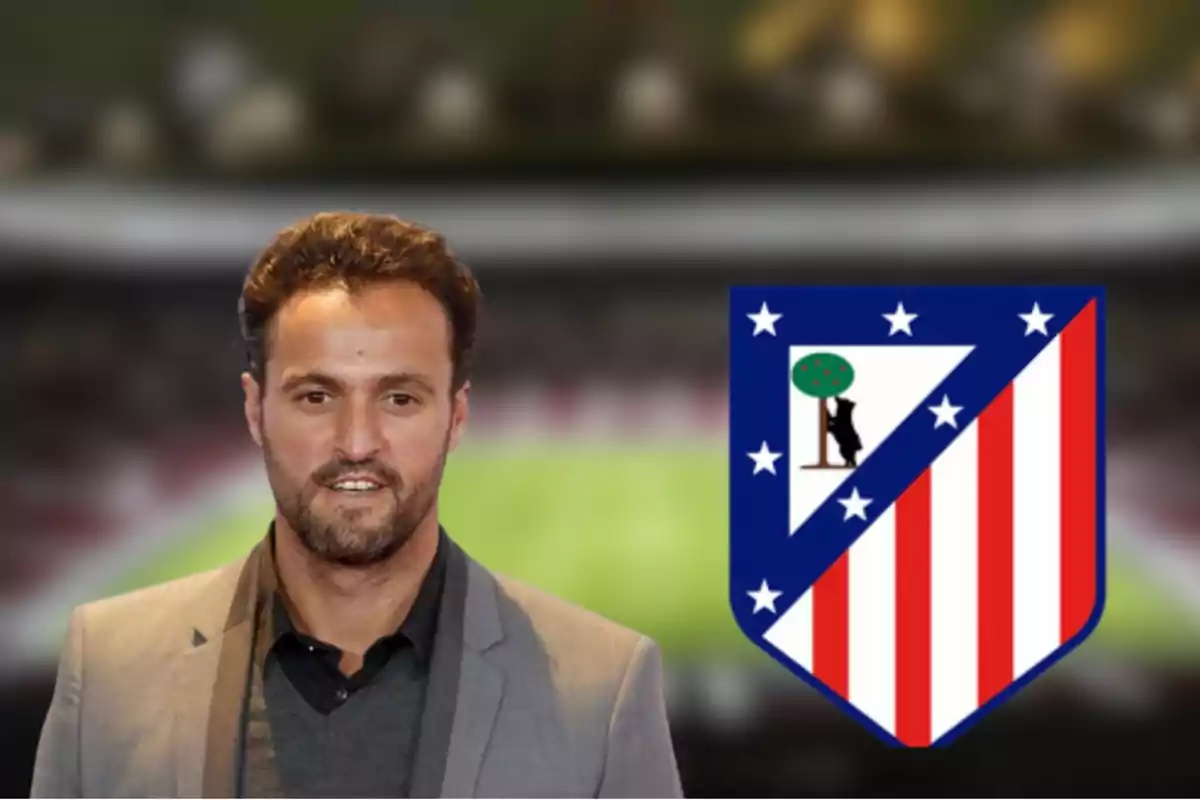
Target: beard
347, 536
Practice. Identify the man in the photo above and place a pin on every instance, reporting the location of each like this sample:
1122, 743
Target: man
357, 650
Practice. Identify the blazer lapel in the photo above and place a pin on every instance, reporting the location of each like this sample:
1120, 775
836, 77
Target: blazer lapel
211, 677
480, 690
441, 694
464, 690
210, 685
195, 674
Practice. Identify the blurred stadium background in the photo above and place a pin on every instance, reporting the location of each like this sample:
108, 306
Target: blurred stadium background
608, 167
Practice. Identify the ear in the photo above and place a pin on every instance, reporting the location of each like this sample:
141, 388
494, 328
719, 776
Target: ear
460, 410
252, 406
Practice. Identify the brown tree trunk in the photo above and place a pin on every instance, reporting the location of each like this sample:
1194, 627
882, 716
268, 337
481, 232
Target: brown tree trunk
823, 413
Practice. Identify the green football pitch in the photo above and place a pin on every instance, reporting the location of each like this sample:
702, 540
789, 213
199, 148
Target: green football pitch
637, 533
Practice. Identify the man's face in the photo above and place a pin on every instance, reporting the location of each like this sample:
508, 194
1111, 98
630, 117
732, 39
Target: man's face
357, 417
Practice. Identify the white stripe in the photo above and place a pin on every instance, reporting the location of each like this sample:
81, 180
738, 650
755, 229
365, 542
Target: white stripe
954, 579
1036, 504
872, 659
793, 633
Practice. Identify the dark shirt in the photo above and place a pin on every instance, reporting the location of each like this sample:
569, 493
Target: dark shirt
311, 666
310, 731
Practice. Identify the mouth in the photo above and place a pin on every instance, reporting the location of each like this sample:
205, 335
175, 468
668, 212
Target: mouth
356, 487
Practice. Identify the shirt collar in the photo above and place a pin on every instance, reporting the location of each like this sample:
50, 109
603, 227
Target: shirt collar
419, 626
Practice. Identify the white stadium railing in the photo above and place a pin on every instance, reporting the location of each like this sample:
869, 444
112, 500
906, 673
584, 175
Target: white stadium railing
154, 226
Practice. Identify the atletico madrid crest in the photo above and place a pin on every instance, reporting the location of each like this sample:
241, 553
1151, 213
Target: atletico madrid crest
917, 491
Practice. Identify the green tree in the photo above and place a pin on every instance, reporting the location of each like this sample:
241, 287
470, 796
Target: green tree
823, 375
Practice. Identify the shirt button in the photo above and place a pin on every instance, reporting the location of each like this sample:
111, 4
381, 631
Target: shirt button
342, 694
311, 648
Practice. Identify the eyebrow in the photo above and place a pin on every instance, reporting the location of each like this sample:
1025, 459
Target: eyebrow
402, 379
392, 379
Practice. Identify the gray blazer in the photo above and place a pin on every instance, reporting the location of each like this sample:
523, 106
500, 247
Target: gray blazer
538, 698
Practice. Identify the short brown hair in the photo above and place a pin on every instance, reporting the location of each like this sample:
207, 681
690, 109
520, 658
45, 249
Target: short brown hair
353, 251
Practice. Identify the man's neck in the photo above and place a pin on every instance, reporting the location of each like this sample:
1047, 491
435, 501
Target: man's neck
351, 608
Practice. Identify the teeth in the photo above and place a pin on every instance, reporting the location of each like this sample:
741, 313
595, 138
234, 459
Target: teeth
355, 486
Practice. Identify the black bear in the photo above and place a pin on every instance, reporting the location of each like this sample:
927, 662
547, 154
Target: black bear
841, 428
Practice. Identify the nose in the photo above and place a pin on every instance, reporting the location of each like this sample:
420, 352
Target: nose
359, 436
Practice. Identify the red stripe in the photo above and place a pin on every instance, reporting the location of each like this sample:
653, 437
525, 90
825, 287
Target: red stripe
913, 610
1078, 560
996, 545
831, 626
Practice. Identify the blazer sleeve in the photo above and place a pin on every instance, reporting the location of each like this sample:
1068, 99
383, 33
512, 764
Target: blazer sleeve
56, 771
640, 758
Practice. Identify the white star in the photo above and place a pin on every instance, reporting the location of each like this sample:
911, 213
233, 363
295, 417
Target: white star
1036, 321
900, 320
946, 413
764, 598
764, 320
764, 459
855, 505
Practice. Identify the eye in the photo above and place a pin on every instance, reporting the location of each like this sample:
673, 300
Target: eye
314, 398
402, 399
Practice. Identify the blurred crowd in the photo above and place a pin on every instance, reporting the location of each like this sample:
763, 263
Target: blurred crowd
333, 89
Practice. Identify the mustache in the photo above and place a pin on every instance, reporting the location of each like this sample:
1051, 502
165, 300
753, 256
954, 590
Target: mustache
336, 470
